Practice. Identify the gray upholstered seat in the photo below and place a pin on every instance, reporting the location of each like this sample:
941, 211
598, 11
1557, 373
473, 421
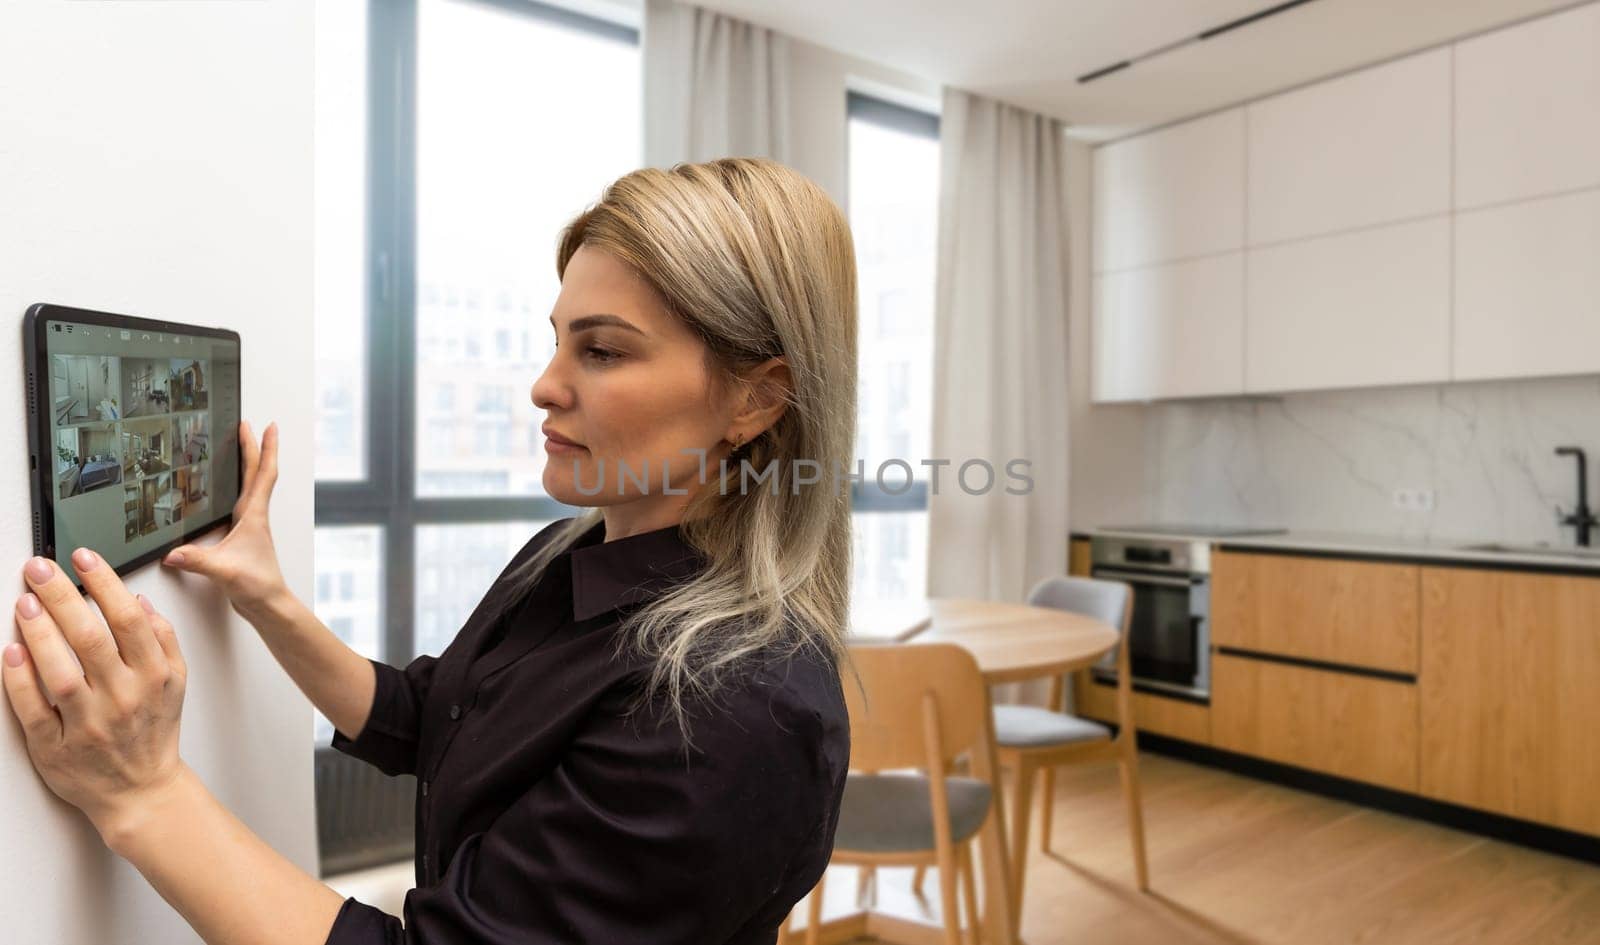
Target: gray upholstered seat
890, 813
1030, 726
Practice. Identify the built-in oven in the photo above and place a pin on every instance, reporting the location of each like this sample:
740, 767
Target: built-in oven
1169, 633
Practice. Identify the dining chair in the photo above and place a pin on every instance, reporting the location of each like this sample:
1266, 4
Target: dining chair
925, 704
1032, 740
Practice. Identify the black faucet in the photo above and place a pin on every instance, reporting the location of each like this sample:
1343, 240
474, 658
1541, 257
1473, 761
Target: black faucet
1582, 518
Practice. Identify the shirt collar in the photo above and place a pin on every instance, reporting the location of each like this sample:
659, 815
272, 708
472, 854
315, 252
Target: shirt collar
607, 575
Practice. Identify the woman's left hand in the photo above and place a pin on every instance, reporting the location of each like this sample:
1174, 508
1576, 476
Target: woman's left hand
110, 744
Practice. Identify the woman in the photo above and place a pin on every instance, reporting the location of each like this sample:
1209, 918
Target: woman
640, 733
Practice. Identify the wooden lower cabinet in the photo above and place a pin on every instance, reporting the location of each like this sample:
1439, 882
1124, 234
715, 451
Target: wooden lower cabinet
1078, 561
1503, 715
1175, 718
1352, 726
1510, 712
1354, 613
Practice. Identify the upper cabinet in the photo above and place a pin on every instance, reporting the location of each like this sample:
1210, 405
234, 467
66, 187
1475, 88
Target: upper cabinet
1170, 194
1528, 288
1361, 149
1358, 309
1429, 219
1172, 330
1527, 109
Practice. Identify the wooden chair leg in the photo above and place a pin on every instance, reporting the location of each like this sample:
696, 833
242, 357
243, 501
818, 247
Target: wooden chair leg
1047, 806
969, 892
1129, 767
917, 877
868, 877
1020, 813
814, 912
948, 907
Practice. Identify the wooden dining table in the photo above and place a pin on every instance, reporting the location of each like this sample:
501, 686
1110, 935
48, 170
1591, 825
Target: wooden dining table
1011, 643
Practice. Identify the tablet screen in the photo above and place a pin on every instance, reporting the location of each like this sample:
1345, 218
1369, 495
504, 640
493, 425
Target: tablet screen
143, 437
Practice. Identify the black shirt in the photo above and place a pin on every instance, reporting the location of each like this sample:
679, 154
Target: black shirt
543, 816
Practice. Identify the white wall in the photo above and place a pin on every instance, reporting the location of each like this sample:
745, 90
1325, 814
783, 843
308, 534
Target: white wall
155, 159
1331, 461
817, 108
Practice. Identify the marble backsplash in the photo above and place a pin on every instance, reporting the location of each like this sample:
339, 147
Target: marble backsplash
1332, 461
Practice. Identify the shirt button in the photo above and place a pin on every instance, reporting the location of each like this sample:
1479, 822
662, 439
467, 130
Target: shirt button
455, 712
424, 789
424, 864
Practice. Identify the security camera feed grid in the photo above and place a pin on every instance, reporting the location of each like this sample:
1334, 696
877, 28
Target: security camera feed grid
143, 423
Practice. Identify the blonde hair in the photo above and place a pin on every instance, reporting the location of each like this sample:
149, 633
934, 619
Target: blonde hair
759, 262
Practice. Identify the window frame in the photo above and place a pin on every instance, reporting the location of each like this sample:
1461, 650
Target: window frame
387, 496
867, 496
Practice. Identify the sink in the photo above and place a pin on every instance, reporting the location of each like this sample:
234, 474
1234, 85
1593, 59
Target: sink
1543, 550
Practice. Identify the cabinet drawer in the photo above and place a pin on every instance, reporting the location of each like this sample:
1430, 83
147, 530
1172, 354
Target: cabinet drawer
1175, 718
1353, 613
1351, 726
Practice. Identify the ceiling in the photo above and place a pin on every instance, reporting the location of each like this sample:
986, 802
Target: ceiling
1029, 52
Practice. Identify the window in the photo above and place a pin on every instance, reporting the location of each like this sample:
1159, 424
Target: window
458, 562
494, 88
349, 560
494, 399
893, 204
439, 202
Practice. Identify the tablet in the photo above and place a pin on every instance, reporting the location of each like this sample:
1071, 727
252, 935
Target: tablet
134, 433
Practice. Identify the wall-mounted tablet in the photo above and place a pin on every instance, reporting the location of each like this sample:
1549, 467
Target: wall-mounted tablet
134, 433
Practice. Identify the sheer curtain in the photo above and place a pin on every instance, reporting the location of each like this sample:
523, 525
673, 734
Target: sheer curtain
1000, 356
714, 86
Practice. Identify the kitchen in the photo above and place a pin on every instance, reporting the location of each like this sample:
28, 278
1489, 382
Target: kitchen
1333, 387
1370, 402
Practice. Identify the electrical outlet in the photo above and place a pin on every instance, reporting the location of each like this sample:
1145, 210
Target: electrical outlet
1413, 500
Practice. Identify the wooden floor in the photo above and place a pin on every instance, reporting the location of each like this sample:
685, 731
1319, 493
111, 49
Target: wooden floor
1234, 860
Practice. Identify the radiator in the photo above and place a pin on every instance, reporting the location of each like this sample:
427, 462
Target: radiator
364, 817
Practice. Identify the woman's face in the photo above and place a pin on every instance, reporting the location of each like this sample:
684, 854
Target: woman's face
628, 382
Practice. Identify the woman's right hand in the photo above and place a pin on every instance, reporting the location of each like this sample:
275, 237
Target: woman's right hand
244, 563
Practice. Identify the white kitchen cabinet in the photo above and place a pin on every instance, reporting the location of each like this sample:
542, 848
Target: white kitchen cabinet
1527, 109
1173, 330
1170, 194
1357, 309
1527, 288
1366, 148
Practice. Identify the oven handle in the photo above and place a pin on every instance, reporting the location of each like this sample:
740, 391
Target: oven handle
1135, 578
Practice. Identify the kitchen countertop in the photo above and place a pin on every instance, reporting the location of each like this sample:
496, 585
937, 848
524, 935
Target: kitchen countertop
1382, 546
